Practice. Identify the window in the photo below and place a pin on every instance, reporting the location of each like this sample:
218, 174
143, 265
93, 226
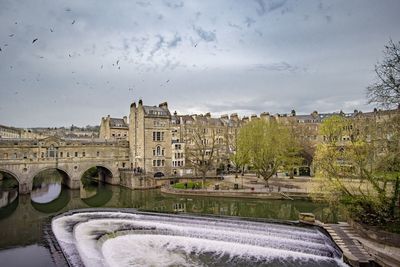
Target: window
61, 154
83, 153
42, 155
158, 136
67, 154
123, 164
97, 153
76, 154
35, 155
51, 152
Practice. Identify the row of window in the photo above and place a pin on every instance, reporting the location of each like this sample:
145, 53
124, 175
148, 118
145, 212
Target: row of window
158, 136
178, 163
158, 151
179, 155
158, 163
178, 146
49, 154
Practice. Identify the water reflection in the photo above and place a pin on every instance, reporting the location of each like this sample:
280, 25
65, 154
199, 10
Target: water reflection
46, 188
95, 193
8, 195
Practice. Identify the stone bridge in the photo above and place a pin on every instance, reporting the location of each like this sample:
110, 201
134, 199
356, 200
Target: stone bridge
25, 158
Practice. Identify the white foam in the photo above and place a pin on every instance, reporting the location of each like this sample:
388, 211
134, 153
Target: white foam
125, 239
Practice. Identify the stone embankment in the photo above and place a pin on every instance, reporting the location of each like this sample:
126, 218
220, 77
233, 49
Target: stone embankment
241, 193
357, 251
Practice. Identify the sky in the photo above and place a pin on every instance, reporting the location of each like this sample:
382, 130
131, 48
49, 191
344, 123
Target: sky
73, 62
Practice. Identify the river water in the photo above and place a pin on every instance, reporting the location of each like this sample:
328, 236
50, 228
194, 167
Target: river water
23, 218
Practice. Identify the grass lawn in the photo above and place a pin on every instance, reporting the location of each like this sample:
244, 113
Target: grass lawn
190, 185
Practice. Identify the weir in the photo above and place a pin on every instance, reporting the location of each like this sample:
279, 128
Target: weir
115, 238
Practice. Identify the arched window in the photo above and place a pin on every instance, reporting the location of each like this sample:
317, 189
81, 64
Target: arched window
158, 151
52, 152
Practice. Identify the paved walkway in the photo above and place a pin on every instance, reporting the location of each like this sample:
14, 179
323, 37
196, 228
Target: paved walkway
358, 251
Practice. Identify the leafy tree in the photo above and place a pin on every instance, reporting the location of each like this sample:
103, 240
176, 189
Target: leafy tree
267, 146
239, 156
359, 166
201, 147
386, 90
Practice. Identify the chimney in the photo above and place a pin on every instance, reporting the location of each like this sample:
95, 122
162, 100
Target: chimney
245, 119
140, 103
314, 114
207, 115
125, 118
225, 116
264, 115
163, 105
253, 116
234, 117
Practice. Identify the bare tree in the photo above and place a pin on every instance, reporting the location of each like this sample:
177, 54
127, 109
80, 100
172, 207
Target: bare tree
386, 90
201, 148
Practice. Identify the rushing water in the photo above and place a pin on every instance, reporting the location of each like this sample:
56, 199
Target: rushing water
23, 218
148, 239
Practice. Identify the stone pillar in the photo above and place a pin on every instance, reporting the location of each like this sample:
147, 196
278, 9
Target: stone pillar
73, 184
24, 188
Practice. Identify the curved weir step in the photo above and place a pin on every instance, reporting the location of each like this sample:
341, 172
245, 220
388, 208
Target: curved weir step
119, 238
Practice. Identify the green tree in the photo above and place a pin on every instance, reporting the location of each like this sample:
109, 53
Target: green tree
359, 166
267, 146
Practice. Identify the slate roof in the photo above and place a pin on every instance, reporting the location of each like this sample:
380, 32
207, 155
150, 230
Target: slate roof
117, 123
156, 111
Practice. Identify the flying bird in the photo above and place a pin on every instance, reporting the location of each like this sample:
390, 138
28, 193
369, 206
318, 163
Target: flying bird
68, 9
0, 49
69, 55
11, 35
117, 61
101, 67
195, 45
34, 40
73, 22
167, 81
51, 30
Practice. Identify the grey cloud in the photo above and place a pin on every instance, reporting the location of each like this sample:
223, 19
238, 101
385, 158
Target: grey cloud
268, 6
249, 21
232, 25
175, 41
208, 36
278, 67
328, 19
143, 3
171, 4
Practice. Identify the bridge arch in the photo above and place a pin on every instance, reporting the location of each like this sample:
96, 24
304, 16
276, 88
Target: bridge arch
13, 175
66, 177
104, 172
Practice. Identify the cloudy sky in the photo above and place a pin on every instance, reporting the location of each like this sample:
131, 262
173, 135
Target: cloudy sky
93, 58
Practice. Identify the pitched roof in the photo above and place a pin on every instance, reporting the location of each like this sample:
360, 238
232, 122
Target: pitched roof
156, 111
117, 123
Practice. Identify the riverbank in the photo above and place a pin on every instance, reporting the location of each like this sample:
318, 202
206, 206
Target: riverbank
265, 193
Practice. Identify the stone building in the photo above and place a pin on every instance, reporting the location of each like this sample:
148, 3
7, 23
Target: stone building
9, 132
150, 139
114, 128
